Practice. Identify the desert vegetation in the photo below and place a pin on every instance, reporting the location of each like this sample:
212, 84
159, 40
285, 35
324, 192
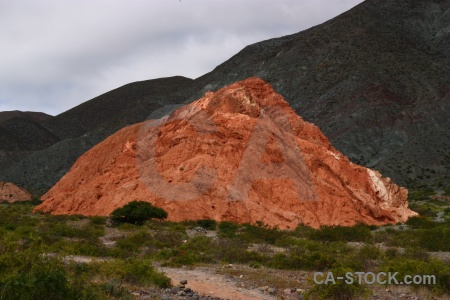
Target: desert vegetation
38, 252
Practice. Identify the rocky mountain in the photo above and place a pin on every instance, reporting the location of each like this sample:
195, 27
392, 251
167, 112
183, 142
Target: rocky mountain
375, 80
240, 154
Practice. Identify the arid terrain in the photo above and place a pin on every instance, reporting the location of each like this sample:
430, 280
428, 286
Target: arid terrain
374, 80
326, 150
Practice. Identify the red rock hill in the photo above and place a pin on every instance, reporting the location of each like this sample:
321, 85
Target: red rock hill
12, 193
240, 154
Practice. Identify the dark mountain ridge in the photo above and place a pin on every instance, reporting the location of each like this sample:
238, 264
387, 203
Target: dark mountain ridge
36, 116
374, 79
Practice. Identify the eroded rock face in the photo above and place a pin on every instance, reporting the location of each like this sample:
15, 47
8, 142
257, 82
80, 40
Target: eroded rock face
12, 193
240, 154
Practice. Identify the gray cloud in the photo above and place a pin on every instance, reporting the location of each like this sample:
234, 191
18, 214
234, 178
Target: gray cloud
56, 54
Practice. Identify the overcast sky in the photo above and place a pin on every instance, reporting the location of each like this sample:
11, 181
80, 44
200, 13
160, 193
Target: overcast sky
56, 54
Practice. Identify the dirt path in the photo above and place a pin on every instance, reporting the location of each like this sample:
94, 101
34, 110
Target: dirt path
206, 282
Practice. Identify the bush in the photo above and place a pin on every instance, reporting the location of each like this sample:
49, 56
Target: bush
261, 233
227, 229
133, 271
420, 222
407, 266
137, 212
340, 290
197, 249
26, 274
424, 194
435, 239
357, 233
207, 224
168, 239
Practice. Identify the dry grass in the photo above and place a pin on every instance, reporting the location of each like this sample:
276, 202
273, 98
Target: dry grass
260, 277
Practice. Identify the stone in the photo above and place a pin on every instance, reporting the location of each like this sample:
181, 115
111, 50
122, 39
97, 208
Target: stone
199, 229
240, 154
184, 281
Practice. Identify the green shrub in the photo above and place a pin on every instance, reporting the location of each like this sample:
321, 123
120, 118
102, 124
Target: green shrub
207, 224
357, 233
370, 252
231, 250
195, 250
134, 272
420, 222
98, 220
137, 212
423, 194
391, 253
407, 266
227, 229
254, 264
114, 288
26, 274
416, 253
260, 234
435, 239
340, 290
168, 239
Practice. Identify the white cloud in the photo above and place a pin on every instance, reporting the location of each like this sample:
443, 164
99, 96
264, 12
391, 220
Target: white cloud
56, 54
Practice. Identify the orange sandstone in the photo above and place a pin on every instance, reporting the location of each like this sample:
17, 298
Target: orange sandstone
240, 154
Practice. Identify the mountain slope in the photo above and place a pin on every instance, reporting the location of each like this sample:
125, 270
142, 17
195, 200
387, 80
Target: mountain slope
24, 134
126, 105
35, 116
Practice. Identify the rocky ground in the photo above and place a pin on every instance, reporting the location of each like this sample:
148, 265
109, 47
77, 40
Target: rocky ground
234, 281
238, 282
241, 282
